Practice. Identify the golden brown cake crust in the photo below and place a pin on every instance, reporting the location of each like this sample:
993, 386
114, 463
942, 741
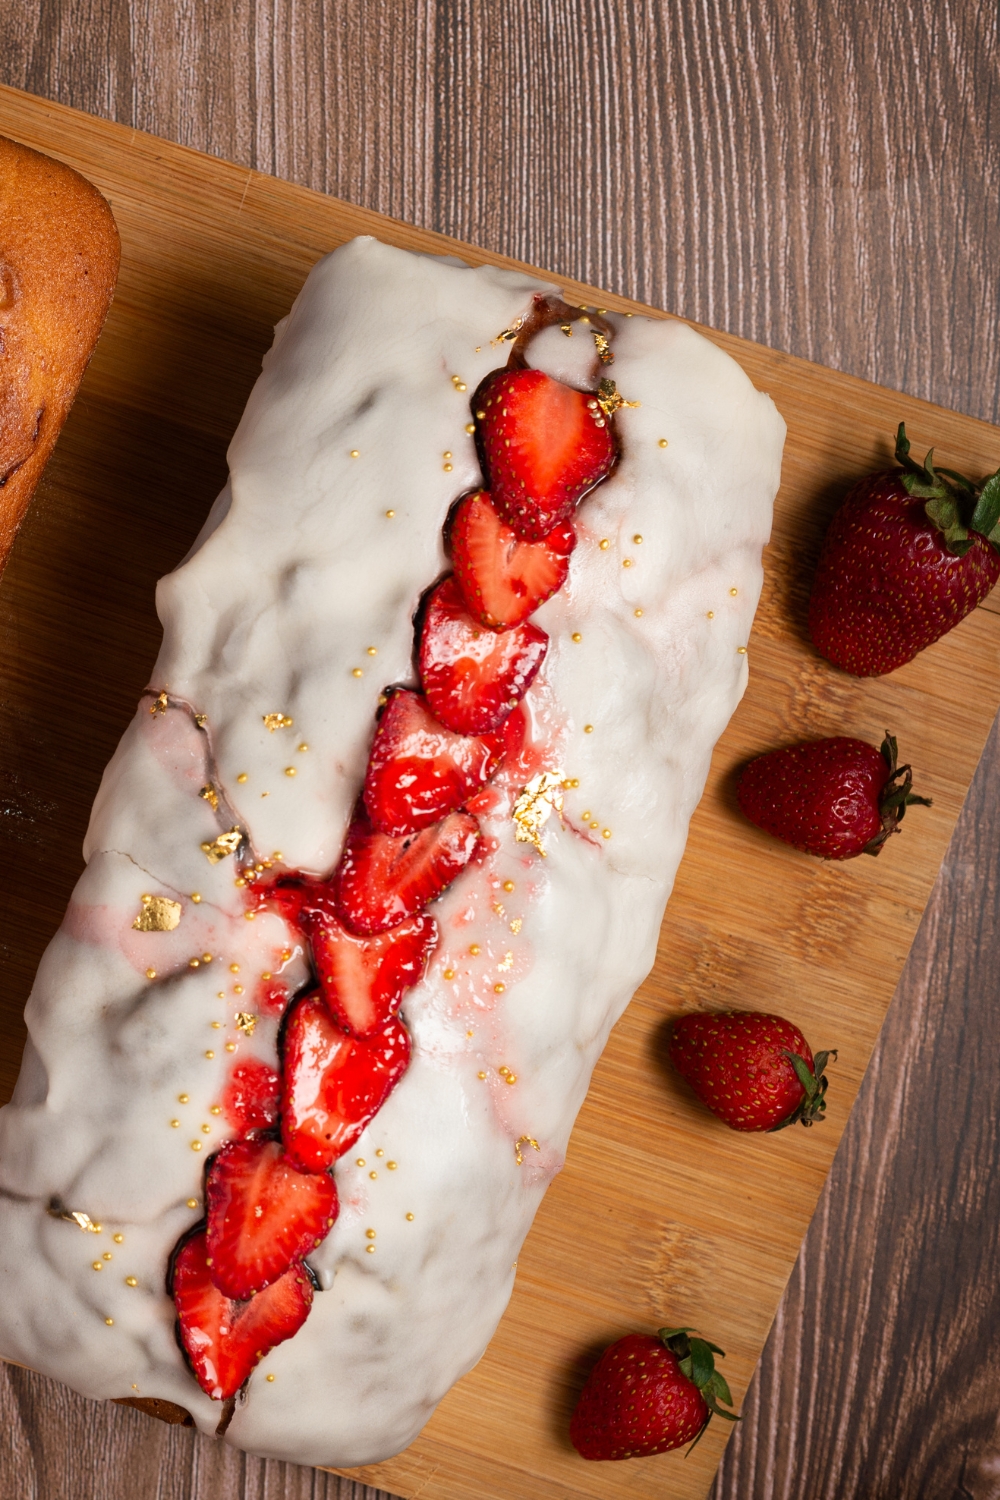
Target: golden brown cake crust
59, 254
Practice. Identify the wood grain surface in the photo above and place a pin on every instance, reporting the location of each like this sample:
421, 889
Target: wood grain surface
760, 175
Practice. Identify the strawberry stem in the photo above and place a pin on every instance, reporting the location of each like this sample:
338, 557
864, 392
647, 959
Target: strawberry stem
814, 1083
694, 1355
955, 504
896, 796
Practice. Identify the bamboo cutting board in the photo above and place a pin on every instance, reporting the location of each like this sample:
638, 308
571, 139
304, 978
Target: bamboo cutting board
661, 1214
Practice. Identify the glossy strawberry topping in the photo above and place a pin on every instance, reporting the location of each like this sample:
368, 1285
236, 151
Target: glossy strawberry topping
474, 676
417, 770
381, 880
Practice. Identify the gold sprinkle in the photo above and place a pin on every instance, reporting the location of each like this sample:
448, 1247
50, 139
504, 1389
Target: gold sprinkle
370, 1249
119, 1239
110, 1322
480, 415
357, 672
239, 880
196, 897
470, 1033
206, 1130
275, 721
409, 1218
380, 1152
606, 834
150, 973
266, 974
206, 958
446, 454
286, 953
360, 1162
449, 974
210, 1055
192, 1203
508, 885
196, 1145
269, 1379
498, 989
626, 562
475, 949
638, 614
392, 1165
390, 514
734, 592
511, 1078
194, 963
534, 807
158, 914
370, 1234
447, 468
249, 916
355, 453
588, 728
106, 1255
131, 1281
242, 777
604, 544
183, 1098
507, 962
210, 795
216, 1025
245, 1022
175, 1124
289, 770
470, 428
234, 968
482, 1075
98, 1265
503, 1070
576, 636
373, 1175
637, 539
515, 926
215, 1109
663, 442
586, 816
524, 1140
224, 845
230, 1046
595, 825
741, 651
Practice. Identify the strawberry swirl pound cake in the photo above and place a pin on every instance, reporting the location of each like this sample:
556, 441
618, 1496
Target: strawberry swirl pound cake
384, 853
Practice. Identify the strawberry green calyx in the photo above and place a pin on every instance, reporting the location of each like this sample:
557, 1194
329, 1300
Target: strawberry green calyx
814, 1082
896, 796
694, 1355
955, 504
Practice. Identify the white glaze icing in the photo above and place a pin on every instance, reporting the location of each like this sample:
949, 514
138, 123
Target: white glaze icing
297, 572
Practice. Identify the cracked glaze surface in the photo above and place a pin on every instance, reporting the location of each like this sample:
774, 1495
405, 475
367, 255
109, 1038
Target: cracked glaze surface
297, 574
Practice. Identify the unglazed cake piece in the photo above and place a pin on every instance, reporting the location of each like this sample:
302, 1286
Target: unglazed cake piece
282, 628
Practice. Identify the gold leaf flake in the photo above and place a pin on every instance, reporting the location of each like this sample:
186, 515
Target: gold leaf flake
604, 353
515, 926
160, 706
201, 720
245, 1022
277, 721
507, 962
73, 1216
210, 795
159, 914
225, 844
534, 806
610, 399
509, 334
524, 1140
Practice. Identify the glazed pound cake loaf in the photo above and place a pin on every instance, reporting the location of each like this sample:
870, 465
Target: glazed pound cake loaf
383, 854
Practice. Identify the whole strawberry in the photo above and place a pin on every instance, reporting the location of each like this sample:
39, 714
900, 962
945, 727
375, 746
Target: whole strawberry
648, 1394
909, 553
754, 1071
834, 798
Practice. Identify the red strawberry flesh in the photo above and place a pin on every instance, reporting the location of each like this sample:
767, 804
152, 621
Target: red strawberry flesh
545, 445
822, 797
223, 1338
417, 769
637, 1402
263, 1214
474, 676
251, 1097
886, 585
334, 1083
735, 1063
502, 578
363, 979
382, 880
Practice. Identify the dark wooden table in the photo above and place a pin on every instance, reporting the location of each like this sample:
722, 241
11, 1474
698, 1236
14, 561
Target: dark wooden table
815, 177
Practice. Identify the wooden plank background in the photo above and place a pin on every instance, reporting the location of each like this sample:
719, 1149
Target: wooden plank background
763, 175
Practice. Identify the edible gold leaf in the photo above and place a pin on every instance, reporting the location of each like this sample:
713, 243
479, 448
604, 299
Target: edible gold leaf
160, 706
604, 353
277, 721
245, 1022
225, 844
210, 795
83, 1221
158, 914
534, 807
524, 1140
611, 400
508, 334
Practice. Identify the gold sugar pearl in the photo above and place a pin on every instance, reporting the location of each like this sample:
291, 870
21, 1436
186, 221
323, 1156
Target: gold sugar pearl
369, 1234
269, 1379
110, 1322
409, 1218
638, 614
710, 615
119, 1239
150, 973
498, 989
380, 1152
482, 1075
234, 968
734, 592
588, 728
606, 834
637, 539
210, 1054
508, 885
663, 442
373, 651
192, 1203
503, 1070
475, 949
286, 953
392, 1165
206, 1130
355, 453
360, 1162
97, 1265
249, 916
449, 974
230, 1046
215, 1109
595, 825
370, 1249
194, 963
373, 1175
216, 1025
106, 1255
626, 562
131, 1281
586, 816
237, 989
741, 651
239, 880
470, 428
290, 771
302, 749
511, 1078
266, 975
196, 897
243, 776
389, 514
206, 958
357, 672
604, 544
576, 636
175, 1124
447, 469
220, 994
446, 453
196, 1145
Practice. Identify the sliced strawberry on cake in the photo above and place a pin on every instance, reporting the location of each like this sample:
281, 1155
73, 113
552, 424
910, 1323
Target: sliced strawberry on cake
363, 979
263, 1214
418, 770
382, 880
334, 1083
251, 1097
224, 1339
502, 578
545, 444
473, 676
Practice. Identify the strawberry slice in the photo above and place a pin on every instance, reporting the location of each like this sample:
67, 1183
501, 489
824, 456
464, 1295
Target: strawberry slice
263, 1214
363, 979
473, 676
251, 1097
382, 880
417, 769
334, 1083
224, 1339
503, 579
545, 445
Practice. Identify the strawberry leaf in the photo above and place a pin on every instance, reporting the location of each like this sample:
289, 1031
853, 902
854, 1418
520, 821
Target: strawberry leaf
987, 512
943, 511
701, 1362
